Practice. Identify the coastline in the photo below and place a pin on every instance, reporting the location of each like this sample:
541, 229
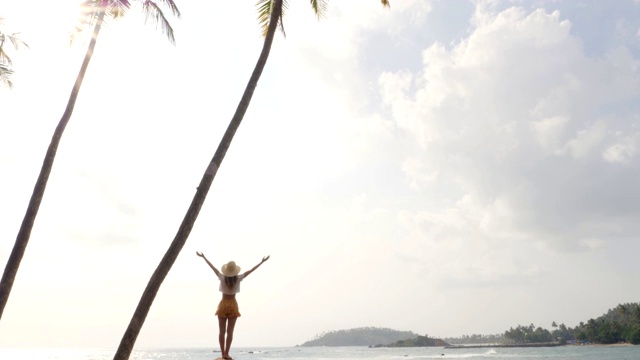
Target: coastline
534, 345
603, 345
483, 346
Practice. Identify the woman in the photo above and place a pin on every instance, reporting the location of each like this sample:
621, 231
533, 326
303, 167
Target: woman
228, 311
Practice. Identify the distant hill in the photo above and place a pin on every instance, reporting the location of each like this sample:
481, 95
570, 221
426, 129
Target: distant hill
364, 336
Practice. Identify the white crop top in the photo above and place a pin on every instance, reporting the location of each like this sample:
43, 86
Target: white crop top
225, 289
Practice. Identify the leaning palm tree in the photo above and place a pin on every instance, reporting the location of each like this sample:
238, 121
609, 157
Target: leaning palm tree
270, 16
5, 60
94, 14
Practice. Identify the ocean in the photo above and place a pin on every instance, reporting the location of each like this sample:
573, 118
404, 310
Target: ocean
338, 353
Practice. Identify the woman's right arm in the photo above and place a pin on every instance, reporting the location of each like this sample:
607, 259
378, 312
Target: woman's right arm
210, 264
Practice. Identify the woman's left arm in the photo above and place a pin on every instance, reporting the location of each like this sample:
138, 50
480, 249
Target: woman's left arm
246, 273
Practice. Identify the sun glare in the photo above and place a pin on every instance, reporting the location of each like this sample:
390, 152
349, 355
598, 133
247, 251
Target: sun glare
34, 18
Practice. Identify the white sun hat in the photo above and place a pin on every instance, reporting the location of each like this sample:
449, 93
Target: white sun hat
230, 269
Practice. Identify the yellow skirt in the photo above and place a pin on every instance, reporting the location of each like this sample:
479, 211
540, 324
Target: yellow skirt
228, 308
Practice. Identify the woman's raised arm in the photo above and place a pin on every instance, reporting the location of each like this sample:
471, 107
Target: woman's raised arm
210, 264
246, 273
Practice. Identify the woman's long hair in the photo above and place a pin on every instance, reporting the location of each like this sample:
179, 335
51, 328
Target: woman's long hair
231, 281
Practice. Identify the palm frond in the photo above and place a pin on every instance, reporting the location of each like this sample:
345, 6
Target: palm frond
118, 8
13, 38
172, 6
89, 12
265, 7
264, 13
88, 15
4, 69
153, 12
90, 9
5, 75
115, 9
4, 58
285, 6
319, 8
16, 41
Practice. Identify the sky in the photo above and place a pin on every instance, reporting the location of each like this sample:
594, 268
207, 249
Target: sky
443, 167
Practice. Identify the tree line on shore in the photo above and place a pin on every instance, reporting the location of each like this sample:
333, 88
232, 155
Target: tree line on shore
620, 324
476, 339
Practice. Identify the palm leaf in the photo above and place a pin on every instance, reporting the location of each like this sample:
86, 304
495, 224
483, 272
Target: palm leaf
115, 9
88, 13
153, 12
285, 6
16, 42
118, 8
319, 7
264, 13
4, 69
4, 58
5, 75
86, 19
265, 7
172, 6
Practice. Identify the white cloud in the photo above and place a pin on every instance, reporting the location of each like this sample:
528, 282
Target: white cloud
586, 140
549, 131
593, 244
517, 119
623, 151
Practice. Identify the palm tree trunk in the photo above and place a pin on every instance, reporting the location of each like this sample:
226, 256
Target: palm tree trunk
131, 334
22, 239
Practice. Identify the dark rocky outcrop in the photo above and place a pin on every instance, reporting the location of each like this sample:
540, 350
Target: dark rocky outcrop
364, 336
420, 341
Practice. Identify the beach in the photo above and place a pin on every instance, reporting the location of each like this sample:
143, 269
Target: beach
585, 352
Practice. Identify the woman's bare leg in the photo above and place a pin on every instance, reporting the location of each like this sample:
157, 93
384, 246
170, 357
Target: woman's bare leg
230, 326
222, 324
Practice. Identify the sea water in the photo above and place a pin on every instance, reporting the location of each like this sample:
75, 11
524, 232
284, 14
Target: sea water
338, 353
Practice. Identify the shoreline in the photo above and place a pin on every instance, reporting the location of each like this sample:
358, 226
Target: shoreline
503, 346
534, 345
603, 345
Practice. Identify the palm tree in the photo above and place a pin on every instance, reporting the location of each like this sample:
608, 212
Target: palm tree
270, 16
5, 60
94, 13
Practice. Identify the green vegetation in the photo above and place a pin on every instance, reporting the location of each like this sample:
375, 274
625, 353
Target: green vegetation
420, 341
621, 324
528, 334
364, 336
476, 339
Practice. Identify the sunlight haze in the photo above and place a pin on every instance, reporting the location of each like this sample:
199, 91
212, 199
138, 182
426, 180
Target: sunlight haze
443, 167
